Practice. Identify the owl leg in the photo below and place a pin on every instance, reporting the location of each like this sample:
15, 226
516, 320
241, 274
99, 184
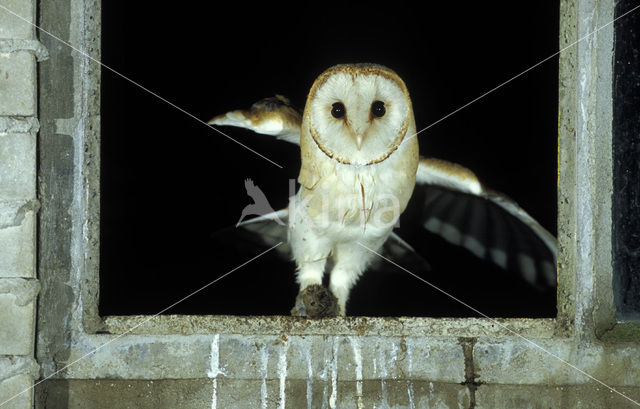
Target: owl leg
310, 252
351, 260
309, 276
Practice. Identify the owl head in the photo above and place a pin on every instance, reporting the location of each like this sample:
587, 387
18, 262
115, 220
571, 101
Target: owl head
358, 114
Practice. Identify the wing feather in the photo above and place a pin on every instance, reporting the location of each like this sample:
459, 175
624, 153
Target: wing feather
271, 116
461, 210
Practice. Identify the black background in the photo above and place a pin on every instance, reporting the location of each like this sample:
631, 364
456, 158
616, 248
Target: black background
169, 182
626, 162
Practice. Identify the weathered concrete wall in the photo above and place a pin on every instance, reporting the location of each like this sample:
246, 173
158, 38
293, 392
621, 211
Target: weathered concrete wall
268, 362
19, 52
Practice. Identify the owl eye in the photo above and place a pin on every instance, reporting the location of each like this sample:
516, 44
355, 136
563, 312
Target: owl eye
338, 110
377, 109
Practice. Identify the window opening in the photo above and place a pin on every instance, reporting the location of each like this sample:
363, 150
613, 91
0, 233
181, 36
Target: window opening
626, 164
168, 183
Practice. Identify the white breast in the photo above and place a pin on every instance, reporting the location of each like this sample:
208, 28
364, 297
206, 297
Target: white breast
350, 202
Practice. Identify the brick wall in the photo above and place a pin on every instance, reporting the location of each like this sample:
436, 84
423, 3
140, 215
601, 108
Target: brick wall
19, 287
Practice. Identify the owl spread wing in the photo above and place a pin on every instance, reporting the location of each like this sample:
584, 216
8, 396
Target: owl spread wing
455, 206
270, 116
458, 208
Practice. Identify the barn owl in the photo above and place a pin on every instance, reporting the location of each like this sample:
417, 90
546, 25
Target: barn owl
359, 166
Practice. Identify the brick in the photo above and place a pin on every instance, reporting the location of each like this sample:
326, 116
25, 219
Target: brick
20, 385
17, 166
15, 27
17, 242
17, 317
18, 84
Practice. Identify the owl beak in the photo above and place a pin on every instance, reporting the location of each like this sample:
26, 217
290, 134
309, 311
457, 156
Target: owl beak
359, 139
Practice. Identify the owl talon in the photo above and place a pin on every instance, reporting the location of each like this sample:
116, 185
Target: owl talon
315, 301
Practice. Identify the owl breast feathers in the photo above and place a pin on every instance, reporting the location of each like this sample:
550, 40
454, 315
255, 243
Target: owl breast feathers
359, 166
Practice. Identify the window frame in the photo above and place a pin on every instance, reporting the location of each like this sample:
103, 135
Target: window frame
69, 262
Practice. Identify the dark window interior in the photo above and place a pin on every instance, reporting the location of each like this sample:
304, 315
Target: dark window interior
170, 186
626, 162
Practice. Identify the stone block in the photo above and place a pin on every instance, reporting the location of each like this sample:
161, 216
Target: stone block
12, 26
125, 394
513, 361
349, 358
17, 240
18, 84
17, 166
248, 394
556, 361
316, 393
140, 357
17, 316
16, 392
590, 396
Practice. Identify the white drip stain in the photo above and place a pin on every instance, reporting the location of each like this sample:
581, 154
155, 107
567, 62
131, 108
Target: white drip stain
282, 371
333, 399
264, 363
394, 353
383, 376
214, 369
323, 376
410, 390
324, 396
357, 359
309, 379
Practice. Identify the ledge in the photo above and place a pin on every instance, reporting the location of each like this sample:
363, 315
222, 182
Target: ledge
365, 326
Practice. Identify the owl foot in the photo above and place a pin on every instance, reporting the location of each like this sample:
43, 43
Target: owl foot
315, 301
